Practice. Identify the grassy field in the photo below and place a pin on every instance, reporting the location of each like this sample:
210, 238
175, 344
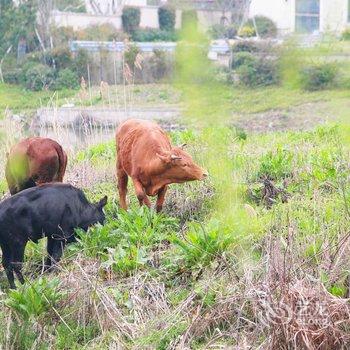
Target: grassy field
17, 99
243, 260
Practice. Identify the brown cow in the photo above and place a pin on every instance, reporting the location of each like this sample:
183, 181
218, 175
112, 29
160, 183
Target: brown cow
146, 155
34, 161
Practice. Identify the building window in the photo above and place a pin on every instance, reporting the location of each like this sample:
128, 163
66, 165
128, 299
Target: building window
307, 16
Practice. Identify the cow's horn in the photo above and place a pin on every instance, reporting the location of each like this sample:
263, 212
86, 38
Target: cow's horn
175, 157
183, 145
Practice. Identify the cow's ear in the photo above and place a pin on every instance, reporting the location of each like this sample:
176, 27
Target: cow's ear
164, 158
102, 202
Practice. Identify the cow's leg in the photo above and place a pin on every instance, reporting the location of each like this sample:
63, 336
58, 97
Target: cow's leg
6, 263
161, 198
122, 187
54, 252
18, 257
62, 166
140, 193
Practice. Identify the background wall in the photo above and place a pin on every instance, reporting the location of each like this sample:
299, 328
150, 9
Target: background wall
334, 15
83, 20
149, 18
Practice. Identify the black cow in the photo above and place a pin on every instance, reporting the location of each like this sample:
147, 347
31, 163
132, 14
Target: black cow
51, 210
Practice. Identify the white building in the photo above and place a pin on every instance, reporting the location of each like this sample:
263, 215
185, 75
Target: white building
110, 7
304, 16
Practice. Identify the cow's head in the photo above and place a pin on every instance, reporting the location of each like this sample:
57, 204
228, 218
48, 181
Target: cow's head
99, 213
178, 166
93, 214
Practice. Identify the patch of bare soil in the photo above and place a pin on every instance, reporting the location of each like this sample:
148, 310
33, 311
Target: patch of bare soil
302, 117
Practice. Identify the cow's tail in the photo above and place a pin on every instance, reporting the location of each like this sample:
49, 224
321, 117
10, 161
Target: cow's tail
62, 160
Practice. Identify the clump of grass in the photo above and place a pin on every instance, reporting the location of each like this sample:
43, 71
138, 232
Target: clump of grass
125, 243
35, 300
276, 165
203, 244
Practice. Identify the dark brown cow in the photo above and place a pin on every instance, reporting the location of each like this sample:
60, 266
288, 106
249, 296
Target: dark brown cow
34, 161
144, 153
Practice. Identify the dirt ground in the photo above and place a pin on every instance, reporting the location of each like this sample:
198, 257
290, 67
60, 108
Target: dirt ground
303, 117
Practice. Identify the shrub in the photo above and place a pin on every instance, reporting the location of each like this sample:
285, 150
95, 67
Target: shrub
61, 57
246, 46
80, 63
61, 35
12, 76
102, 32
346, 34
39, 77
219, 31
67, 79
318, 77
23, 71
242, 58
159, 64
265, 26
223, 75
166, 16
33, 57
247, 31
131, 18
260, 72
130, 56
146, 35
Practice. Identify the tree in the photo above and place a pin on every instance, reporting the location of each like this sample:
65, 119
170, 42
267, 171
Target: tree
17, 24
16, 27
70, 5
239, 10
108, 7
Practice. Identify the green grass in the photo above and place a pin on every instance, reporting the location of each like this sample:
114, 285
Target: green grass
148, 266
264, 99
17, 99
191, 277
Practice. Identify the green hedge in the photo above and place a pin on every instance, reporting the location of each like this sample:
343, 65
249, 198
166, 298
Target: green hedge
167, 18
131, 17
154, 35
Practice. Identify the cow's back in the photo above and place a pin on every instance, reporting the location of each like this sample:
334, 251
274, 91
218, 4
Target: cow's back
34, 161
138, 142
44, 160
45, 208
